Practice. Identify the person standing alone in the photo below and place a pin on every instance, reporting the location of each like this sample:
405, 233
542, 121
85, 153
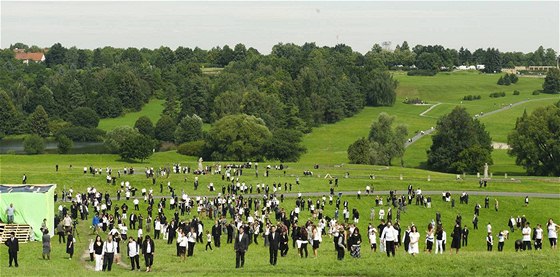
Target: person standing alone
241, 245
13, 248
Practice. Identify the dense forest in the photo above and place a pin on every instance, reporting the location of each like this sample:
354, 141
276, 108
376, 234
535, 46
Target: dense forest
292, 88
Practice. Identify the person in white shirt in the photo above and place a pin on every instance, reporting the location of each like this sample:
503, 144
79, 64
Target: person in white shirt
133, 253
372, 235
526, 237
489, 242
381, 214
414, 236
109, 250
183, 243
389, 235
552, 229
538, 237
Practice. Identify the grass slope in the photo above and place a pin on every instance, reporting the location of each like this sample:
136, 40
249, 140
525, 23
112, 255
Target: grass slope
152, 110
329, 143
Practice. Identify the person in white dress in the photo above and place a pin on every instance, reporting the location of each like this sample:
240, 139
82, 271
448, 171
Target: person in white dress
552, 233
414, 236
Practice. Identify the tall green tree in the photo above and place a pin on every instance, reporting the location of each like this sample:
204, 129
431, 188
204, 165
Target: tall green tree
39, 122
535, 141
285, 145
136, 147
33, 144
144, 126
8, 113
165, 129
238, 137
189, 129
383, 144
84, 117
379, 88
552, 81
461, 144
64, 144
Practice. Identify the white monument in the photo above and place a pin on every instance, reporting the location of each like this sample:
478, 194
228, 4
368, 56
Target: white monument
486, 171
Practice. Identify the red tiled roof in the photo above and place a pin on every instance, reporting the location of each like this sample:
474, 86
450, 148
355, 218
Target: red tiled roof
36, 57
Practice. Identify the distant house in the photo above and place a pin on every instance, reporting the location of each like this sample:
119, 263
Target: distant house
27, 57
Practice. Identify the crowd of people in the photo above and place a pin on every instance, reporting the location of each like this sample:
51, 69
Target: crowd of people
246, 219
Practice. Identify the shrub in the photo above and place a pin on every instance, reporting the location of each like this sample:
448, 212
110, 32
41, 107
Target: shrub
82, 134
497, 94
472, 97
191, 148
64, 144
421, 72
516, 92
33, 144
536, 92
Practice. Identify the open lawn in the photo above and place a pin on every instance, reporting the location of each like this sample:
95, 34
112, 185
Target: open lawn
329, 143
151, 109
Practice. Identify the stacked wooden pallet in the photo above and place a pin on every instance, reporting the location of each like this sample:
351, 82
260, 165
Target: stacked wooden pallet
21, 231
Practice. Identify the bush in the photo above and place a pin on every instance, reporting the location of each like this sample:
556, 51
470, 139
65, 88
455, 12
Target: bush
472, 97
64, 144
507, 79
536, 92
33, 144
421, 72
516, 92
497, 94
82, 134
191, 148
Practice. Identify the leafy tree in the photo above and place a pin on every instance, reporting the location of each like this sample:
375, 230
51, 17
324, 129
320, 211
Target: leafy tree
552, 81
165, 128
238, 137
285, 145
361, 152
64, 144
39, 122
380, 88
55, 55
84, 117
383, 143
189, 129
116, 137
492, 61
428, 61
461, 144
144, 126
8, 114
136, 147
33, 144
535, 141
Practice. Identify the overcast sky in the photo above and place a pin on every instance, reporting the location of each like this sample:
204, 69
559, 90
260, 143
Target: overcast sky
509, 26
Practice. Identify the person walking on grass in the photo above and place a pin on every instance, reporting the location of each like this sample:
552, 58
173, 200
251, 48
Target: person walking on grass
240, 246
133, 253
148, 248
46, 244
208, 241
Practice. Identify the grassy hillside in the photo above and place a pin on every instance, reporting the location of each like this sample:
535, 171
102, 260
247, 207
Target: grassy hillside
329, 143
472, 260
152, 110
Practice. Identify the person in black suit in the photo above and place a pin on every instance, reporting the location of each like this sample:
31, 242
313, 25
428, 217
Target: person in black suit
274, 244
13, 248
240, 246
148, 248
216, 233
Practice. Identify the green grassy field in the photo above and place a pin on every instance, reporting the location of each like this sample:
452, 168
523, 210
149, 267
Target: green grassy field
448, 90
327, 147
151, 109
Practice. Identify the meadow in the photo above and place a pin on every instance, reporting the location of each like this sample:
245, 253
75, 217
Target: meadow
152, 110
472, 260
326, 147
